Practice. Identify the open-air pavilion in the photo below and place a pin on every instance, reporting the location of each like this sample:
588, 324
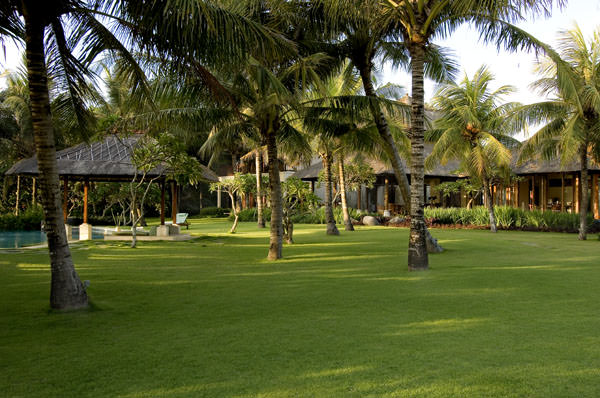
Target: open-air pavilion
108, 160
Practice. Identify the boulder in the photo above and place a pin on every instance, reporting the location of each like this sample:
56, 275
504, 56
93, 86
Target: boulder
370, 220
396, 220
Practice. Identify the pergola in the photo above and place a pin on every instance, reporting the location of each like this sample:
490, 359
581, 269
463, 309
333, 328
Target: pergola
108, 160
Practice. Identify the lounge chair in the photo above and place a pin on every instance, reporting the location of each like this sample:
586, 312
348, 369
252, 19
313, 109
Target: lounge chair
181, 219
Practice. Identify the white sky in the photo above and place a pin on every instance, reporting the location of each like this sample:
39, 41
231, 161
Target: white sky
509, 68
516, 68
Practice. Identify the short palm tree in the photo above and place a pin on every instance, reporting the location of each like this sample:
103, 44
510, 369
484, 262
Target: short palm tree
341, 124
269, 108
571, 117
476, 129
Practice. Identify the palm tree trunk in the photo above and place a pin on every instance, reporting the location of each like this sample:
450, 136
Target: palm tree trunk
391, 149
18, 196
133, 229
235, 214
276, 239
384, 131
67, 291
347, 221
489, 203
583, 209
417, 247
329, 219
259, 202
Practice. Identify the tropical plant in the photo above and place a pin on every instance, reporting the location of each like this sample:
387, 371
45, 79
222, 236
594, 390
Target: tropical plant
165, 157
471, 188
232, 187
571, 117
297, 199
476, 129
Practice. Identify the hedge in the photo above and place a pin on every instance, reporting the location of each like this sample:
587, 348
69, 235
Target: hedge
29, 220
506, 218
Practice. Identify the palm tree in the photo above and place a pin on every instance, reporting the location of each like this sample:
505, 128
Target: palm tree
571, 117
238, 139
367, 37
337, 132
476, 130
406, 29
269, 108
325, 150
418, 23
210, 33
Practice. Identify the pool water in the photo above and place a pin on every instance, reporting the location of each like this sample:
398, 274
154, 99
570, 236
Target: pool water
16, 239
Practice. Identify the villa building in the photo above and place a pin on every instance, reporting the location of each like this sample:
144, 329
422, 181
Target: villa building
542, 185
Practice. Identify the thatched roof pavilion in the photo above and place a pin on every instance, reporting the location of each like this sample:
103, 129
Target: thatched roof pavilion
108, 160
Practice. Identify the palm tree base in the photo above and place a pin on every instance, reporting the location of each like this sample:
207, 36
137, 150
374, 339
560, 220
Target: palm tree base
332, 229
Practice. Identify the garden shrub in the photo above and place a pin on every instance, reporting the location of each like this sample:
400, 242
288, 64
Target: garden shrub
29, 220
248, 215
316, 216
213, 212
506, 218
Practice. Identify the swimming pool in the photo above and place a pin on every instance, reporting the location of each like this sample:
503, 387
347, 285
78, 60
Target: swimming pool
16, 239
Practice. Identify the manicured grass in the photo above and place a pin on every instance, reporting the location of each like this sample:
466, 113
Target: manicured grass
510, 315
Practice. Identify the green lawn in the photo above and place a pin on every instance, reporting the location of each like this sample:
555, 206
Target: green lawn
509, 315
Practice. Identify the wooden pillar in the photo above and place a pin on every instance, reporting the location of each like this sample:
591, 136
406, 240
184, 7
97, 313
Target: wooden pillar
576, 190
86, 187
386, 195
312, 186
174, 201
531, 192
516, 195
543, 193
33, 191
595, 197
65, 197
562, 192
162, 203
359, 198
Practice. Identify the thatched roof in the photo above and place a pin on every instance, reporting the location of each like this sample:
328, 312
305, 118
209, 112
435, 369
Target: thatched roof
384, 168
538, 166
106, 160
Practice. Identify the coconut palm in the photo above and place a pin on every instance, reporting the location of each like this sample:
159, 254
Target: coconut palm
419, 22
571, 117
52, 31
368, 39
269, 107
475, 128
337, 132
410, 28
